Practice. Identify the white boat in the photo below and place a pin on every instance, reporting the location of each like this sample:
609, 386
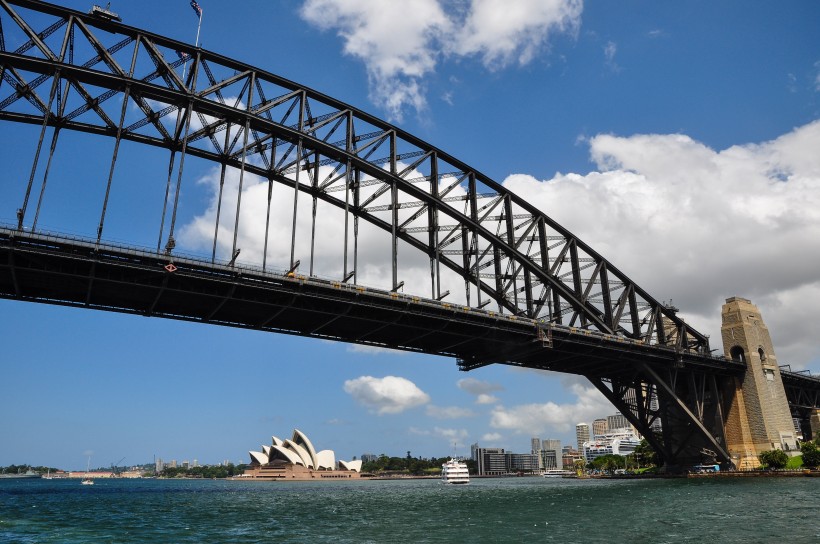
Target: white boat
87, 480
455, 472
558, 473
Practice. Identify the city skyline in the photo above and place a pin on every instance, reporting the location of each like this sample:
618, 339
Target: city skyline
680, 143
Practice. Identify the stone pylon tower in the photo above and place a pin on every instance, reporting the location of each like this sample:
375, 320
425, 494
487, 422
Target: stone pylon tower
759, 419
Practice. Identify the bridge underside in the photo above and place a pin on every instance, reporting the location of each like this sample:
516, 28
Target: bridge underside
42, 268
648, 384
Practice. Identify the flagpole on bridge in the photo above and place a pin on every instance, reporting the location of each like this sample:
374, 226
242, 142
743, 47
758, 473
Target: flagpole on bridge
198, 10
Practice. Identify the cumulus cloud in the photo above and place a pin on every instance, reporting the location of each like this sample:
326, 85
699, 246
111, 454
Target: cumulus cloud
491, 437
551, 417
448, 412
698, 225
402, 42
388, 395
502, 32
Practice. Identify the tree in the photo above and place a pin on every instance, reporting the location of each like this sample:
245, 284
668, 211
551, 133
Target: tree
811, 454
608, 463
774, 459
645, 455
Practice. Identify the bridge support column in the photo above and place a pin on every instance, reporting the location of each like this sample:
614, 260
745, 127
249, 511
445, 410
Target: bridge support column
759, 418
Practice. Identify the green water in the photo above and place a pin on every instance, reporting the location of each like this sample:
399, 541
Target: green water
527, 510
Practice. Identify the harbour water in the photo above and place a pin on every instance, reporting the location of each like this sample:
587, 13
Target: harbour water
746, 510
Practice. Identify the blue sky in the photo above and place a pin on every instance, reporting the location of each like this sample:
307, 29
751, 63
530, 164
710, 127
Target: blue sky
679, 140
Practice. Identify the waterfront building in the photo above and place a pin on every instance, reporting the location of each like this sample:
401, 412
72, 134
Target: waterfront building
297, 459
489, 461
535, 445
496, 462
521, 462
581, 435
570, 456
599, 427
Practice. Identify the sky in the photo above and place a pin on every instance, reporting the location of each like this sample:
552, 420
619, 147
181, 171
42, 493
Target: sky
679, 140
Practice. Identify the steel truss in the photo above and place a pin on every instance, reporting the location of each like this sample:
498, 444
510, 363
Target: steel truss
679, 410
803, 394
507, 252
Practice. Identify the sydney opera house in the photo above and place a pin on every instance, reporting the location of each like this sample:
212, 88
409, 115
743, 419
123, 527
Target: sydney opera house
297, 459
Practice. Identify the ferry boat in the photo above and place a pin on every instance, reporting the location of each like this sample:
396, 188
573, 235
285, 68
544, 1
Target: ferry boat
455, 472
558, 473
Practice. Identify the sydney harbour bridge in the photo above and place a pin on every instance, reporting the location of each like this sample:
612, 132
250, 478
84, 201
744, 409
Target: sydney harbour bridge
502, 282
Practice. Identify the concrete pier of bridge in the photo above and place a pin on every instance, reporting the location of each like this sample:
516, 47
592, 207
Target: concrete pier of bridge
759, 418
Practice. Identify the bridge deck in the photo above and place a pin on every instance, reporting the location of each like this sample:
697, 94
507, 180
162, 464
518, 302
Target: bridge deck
76, 272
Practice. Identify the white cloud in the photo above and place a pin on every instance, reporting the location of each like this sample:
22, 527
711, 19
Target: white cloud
388, 395
535, 419
484, 398
451, 434
448, 412
478, 387
502, 32
610, 49
373, 350
697, 225
399, 56
817, 77
491, 437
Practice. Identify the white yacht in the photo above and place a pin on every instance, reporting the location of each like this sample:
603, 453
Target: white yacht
455, 472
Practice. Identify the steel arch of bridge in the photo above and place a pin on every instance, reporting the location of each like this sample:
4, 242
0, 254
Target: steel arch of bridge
506, 251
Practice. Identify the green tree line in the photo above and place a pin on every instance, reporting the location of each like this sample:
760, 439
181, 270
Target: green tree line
415, 466
19, 469
207, 471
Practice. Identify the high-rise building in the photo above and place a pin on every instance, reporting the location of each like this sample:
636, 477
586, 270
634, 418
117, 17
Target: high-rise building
599, 427
581, 435
535, 445
550, 455
617, 421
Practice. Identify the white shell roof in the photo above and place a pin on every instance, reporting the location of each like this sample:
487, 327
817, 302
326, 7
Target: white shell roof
258, 457
326, 459
307, 460
288, 455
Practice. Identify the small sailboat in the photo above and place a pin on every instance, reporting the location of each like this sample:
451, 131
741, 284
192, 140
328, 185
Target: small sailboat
87, 480
48, 475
